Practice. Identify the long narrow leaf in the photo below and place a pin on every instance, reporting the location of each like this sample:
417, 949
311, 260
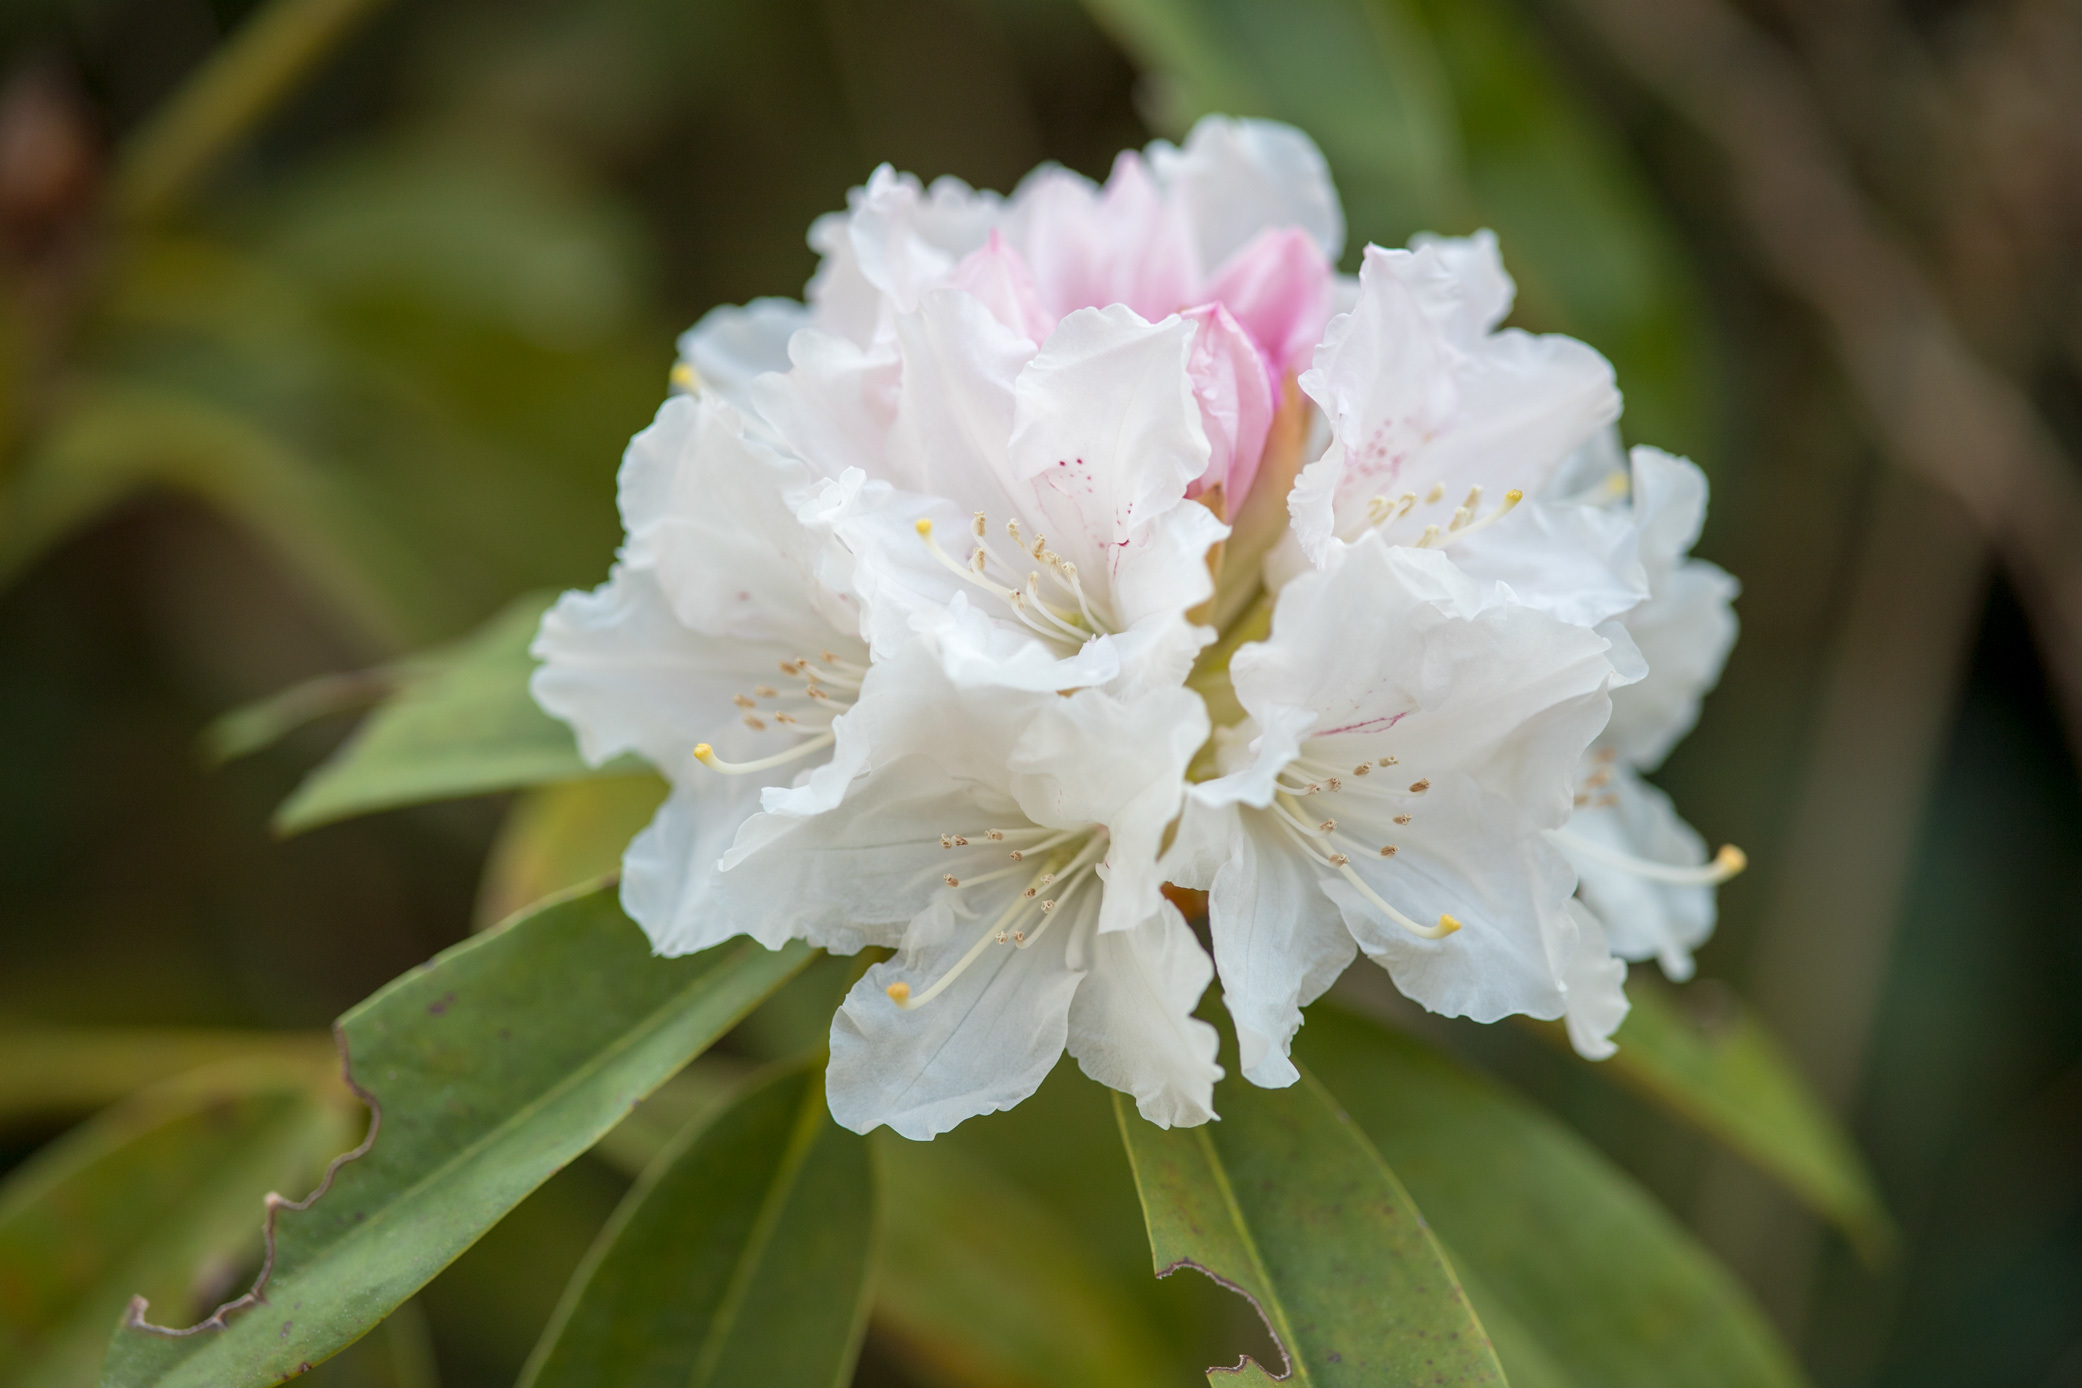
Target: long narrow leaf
464, 724
1582, 1277
742, 1256
1285, 1201
489, 1069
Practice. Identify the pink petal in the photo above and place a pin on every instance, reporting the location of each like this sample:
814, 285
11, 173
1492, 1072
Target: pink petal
1279, 288
1118, 245
1234, 389
1000, 277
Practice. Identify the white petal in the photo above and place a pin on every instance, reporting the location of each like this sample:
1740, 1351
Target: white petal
669, 871
713, 513
732, 345
1467, 289
1398, 654
896, 241
1096, 759
1279, 942
1132, 1025
984, 1044
1470, 855
630, 677
1596, 984
851, 875
1642, 919
1686, 627
1108, 436
1107, 430
837, 403
1579, 563
1235, 178
1420, 396
955, 412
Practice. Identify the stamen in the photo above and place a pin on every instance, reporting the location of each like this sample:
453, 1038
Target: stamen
754, 724
900, 993
1420, 786
766, 691
1343, 865
1438, 489
742, 702
1364, 768
706, 755
1402, 819
1726, 863
1387, 850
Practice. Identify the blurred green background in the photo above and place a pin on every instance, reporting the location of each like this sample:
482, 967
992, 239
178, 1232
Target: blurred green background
347, 389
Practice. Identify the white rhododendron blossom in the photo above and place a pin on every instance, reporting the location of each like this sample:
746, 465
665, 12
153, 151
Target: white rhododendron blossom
1011, 843
1069, 547
1410, 737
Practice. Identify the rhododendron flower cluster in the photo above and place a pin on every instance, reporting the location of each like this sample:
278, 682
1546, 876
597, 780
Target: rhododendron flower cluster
1067, 549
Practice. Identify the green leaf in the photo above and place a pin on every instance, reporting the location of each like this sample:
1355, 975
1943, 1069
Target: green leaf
561, 836
1726, 1075
464, 724
1285, 1201
741, 1256
981, 1285
1582, 1277
75, 1070
259, 725
490, 1068
398, 1354
161, 1194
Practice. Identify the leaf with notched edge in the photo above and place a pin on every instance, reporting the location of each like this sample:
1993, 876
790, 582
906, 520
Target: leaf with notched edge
490, 1068
1285, 1201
